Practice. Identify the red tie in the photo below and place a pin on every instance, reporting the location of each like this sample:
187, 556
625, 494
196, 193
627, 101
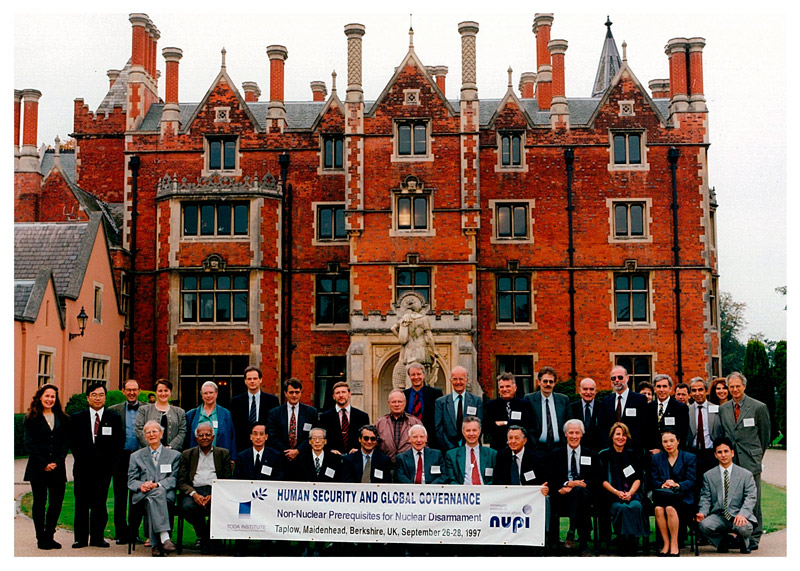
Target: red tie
292, 430
345, 429
418, 477
476, 475
96, 425
736, 411
701, 439
418, 406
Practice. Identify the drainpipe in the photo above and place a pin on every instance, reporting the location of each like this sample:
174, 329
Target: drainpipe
569, 158
287, 345
133, 163
672, 156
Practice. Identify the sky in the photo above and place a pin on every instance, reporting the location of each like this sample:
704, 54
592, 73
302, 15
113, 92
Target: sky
66, 56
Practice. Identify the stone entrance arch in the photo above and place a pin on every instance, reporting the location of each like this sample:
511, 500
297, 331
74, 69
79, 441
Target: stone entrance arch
383, 382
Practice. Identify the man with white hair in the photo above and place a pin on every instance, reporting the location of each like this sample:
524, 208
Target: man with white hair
590, 411
451, 409
420, 464
152, 479
218, 416
393, 427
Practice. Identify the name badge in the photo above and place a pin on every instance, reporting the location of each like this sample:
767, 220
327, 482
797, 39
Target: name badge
529, 475
307, 427
749, 422
488, 472
713, 408
628, 471
107, 430
330, 472
215, 424
378, 473
586, 461
669, 420
630, 412
516, 415
266, 470
471, 410
166, 468
436, 470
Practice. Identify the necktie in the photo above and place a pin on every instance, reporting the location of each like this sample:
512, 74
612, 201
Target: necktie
96, 425
154, 455
418, 477
587, 417
726, 483
701, 437
476, 475
736, 411
417, 405
460, 417
550, 437
619, 407
292, 430
573, 466
345, 429
258, 463
317, 464
252, 418
660, 411
508, 409
515, 470
365, 476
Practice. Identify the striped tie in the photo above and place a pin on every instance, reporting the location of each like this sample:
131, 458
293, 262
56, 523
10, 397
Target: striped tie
726, 483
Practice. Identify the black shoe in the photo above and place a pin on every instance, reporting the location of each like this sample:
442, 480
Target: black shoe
753, 546
121, 541
79, 545
44, 545
102, 543
723, 546
744, 546
157, 551
54, 544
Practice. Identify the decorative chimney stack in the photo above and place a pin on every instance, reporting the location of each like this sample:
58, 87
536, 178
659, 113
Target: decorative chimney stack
27, 175
142, 78
354, 33
678, 93
544, 73
659, 88
171, 116
439, 73
318, 90
113, 75
559, 111
697, 99
469, 86
276, 113
17, 119
527, 84
251, 91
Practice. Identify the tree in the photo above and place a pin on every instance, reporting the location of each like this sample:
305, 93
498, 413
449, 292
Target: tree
759, 378
779, 381
731, 323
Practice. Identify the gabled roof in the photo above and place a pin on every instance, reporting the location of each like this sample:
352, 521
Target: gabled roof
509, 96
661, 111
609, 64
333, 101
29, 294
117, 95
222, 75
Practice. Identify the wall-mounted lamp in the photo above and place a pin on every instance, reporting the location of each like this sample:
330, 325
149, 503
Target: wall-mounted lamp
82, 317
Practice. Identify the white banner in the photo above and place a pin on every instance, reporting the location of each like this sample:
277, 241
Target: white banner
383, 513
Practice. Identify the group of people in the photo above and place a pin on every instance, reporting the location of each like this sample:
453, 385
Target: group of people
617, 456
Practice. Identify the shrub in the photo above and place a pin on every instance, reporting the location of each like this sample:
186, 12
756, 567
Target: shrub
19, 435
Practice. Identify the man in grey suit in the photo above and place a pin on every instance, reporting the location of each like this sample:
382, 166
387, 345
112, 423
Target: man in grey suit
153, 477
470, 464
704, 426
420, 464
550, 412
451, 409
727, 500
745, 421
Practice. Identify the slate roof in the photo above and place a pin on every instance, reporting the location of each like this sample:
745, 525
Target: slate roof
29, 294
67, 160
117, 95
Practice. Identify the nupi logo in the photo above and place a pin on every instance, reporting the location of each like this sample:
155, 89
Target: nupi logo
514, 522
246, 508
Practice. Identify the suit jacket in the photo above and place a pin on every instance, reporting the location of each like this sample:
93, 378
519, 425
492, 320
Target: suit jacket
713, 427
46, 446
176, 425
742, 493
684, 473
329, 420
406, 467
455, 460
278, 426
429, 396
240, 413
750, 442
246, 469
596, 431
379, 461
141, 469
561, 404
557, 467
96, 458
303, 469
189, 458
629, 457
633, 415
447, 432
531, 462
224, 433
675, 410
119, 408
496, 411
386, 441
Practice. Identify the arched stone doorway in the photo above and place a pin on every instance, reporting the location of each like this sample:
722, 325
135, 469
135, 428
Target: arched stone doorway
383, 383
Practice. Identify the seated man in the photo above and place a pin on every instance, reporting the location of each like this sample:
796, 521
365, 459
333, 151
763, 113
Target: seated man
314, 464
153, 477
368, 464
470, 464
727, 500
419, 464
259, 462
516, 465
201, 465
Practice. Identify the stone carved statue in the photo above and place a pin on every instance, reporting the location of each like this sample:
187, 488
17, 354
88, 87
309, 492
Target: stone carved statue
413, 330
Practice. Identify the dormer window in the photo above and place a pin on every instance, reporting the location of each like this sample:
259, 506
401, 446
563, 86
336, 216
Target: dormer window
222, 154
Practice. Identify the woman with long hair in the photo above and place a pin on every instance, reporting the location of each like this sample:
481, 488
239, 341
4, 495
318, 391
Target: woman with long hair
47, 444
718, 391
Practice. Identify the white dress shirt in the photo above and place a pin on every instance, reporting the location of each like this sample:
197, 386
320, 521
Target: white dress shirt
468, 465
548, 401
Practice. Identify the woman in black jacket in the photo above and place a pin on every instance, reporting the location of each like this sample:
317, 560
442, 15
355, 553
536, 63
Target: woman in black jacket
46, 440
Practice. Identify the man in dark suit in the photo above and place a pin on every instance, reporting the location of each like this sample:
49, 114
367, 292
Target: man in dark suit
665, 412
201, 465
704, 426
421, 400
589, 410
451, 409
96, 437
504, 411
572, 471
550, 412
259, 462
368, 464
250, 407
341, 423
517, 464
745, 421
470, 464
420, 464
127, 410
290, 424
626, 406
314, 464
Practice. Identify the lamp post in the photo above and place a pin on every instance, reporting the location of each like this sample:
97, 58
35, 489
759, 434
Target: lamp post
82, 317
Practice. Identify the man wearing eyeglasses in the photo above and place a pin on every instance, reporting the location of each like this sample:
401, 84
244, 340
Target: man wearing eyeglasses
368, 464
626, 406
550, 412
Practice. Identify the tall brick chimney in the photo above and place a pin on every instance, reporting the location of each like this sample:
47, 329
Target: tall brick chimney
678, 92
113, 75
276, 112
697, 99
28, 176
318, 91
527, 83
542, 23
659, 88
354, 33
469, 85
251, 91
142, 85
171, 116
17, 118
439, 73
559, 111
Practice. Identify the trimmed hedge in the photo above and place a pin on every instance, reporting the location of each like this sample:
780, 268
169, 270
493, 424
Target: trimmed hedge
19, 435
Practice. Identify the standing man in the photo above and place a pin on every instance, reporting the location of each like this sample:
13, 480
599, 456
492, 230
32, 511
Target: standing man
626, 406
704, 426
420, 464
550, 412
393, 428
152, 478
341, 423
451, 409
682, 393
589, 410
505, 411
218, 416
259, 462
250, 407
290, 424
470, 464
314, 464
665, 412
368, 464
422, 399
745, 421
127, 410
96, 438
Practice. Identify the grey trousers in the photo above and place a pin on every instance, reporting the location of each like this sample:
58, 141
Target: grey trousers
715, 527
155, 502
